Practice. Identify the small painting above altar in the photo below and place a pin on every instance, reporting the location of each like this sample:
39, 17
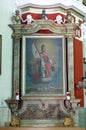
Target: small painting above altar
43, 67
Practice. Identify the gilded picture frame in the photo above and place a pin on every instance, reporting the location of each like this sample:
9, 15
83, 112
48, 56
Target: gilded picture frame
43, 65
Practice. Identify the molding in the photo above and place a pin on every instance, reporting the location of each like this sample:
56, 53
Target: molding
76, 5
68, 29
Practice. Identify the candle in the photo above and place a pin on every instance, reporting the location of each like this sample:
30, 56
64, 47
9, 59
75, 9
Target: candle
17, 95
68, 95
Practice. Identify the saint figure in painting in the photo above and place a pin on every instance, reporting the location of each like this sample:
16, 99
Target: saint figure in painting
44, 65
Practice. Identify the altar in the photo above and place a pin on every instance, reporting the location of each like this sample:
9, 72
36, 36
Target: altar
43, 84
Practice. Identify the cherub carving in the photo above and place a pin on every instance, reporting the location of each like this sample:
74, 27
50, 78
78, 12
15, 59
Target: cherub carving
28, 19
59, 19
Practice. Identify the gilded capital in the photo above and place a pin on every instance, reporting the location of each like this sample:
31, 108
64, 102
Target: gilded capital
16, 36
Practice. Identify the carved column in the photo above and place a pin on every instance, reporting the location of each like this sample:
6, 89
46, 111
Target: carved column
16, 64
71, 67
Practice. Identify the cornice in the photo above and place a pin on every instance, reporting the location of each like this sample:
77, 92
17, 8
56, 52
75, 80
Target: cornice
72, 4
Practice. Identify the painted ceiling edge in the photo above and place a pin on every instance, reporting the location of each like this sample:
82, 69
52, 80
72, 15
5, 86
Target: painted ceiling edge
74, 4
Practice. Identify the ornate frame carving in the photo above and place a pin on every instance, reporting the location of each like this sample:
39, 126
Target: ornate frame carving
19, 30
43, 104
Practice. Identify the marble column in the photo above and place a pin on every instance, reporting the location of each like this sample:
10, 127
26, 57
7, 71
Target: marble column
70, 67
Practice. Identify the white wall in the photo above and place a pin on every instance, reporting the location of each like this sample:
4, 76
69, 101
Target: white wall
6, 9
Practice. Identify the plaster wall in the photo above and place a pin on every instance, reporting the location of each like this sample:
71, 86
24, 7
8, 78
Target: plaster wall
6, 9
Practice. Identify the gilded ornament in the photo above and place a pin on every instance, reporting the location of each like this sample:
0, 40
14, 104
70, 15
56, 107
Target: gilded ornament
16, 17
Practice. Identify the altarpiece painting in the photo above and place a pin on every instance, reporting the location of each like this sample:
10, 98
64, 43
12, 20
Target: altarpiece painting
43, 68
